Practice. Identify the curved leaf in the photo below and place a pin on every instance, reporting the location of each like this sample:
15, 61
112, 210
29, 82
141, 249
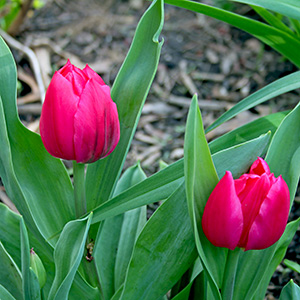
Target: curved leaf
200, 179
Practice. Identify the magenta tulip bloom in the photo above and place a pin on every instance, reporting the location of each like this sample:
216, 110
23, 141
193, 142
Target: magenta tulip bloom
79, 120
250, 212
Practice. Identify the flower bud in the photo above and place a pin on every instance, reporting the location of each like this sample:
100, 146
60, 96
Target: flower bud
38, 268
79, 120
250, 212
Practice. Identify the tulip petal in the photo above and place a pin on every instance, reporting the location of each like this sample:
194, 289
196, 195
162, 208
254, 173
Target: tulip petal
96, 124
57, 118
92, 74
244, 184
271, 220
259, 167
75, 76
251, 204
222, 219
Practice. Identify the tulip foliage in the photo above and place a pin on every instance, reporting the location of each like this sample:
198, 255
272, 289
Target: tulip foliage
221, 229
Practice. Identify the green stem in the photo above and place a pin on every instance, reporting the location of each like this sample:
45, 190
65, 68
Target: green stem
79, 189
230, 273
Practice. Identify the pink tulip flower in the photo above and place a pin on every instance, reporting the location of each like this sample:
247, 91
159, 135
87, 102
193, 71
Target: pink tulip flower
79, 120
250, 212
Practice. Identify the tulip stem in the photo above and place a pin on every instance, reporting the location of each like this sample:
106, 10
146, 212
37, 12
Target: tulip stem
230, 273
79, 189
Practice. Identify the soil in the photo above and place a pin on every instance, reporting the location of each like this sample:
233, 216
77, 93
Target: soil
200, 55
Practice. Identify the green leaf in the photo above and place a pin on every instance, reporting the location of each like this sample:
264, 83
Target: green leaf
31, 287
68, 253
164, 250
278, 87
292, 265
129, 92
274, 37
5, 294
291, 291
289, 8
200, 179
10, 275
116, 238
29, 173
283, 155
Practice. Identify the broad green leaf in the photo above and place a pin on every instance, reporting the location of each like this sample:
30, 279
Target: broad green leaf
292, 265
161, 185
116, 238
30, 283
164, 250
278, 255
200, 179
274, 37
5, 294
283, 155
248, 132
289, 8
10, 275
34, 180
276, 88
10, 232
291, 291
129, 92
68, 254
